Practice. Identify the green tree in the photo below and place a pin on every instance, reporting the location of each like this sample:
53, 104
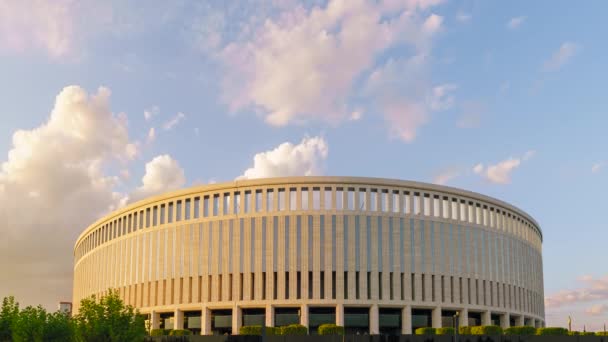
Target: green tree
59, 327
8, 314
29, 325
108, 320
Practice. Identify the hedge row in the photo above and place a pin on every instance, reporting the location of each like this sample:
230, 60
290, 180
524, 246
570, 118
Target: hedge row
331, 329
170, 332
496, 330
293, 329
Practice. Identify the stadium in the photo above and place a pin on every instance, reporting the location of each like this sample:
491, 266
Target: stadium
377, 256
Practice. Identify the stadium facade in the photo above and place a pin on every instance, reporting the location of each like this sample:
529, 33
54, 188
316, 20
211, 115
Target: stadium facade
373, 255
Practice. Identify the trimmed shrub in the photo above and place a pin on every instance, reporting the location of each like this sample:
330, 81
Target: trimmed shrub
445, 331
587, 333
160, 332
257, 330
180, 332
601, 333
293, 329
273, 330
486, 330
250, 330
552, 331
522, 331
425, 331
331, 329
464, 330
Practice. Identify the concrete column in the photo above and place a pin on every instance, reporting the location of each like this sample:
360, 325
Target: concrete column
154, 320
486, 318
340, 315
304, 315
205, 321
178, 319
504, 321
237, 319
519, 321
436, 318
269, 315
374, 324
406, 320
464, 318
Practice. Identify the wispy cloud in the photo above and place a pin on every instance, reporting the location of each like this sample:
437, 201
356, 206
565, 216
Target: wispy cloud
174, 121
593, 289
151, 112
463, 17
500, 173
335, 46
447, 175
471, 116
516, 22
151, 135
559, 58
597, 310
597, 167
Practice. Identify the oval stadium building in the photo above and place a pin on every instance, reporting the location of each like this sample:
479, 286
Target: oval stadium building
377, 256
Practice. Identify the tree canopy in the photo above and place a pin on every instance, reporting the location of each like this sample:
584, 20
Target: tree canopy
105, 320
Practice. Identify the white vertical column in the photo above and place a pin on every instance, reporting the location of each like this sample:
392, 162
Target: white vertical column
237, 319
406, 320
304, 315
154, 320
436, 318
269, 315
340, 315
504, 320
464, 318
374, 325
486, 318
205, 321
178, 319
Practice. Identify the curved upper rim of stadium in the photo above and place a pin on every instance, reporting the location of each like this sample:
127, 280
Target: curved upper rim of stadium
320, 180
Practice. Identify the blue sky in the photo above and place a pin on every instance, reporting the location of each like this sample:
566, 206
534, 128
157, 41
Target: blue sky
503, 98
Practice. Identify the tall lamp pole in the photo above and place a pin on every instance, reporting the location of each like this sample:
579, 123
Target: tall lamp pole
456, 325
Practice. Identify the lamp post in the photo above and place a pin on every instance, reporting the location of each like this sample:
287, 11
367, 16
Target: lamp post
456, 325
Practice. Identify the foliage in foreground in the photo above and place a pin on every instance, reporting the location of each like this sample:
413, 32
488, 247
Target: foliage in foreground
521, 330
486, 330
425, 331
331, 329
445, 331
105, 320
294, 329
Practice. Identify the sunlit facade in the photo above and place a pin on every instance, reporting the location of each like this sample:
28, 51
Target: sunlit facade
373, 255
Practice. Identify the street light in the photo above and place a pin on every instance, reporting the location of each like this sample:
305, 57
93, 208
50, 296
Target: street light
456, 325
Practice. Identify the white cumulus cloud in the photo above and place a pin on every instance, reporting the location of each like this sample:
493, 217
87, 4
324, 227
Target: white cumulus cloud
52, 185
304, 159
163, 173
500, 173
